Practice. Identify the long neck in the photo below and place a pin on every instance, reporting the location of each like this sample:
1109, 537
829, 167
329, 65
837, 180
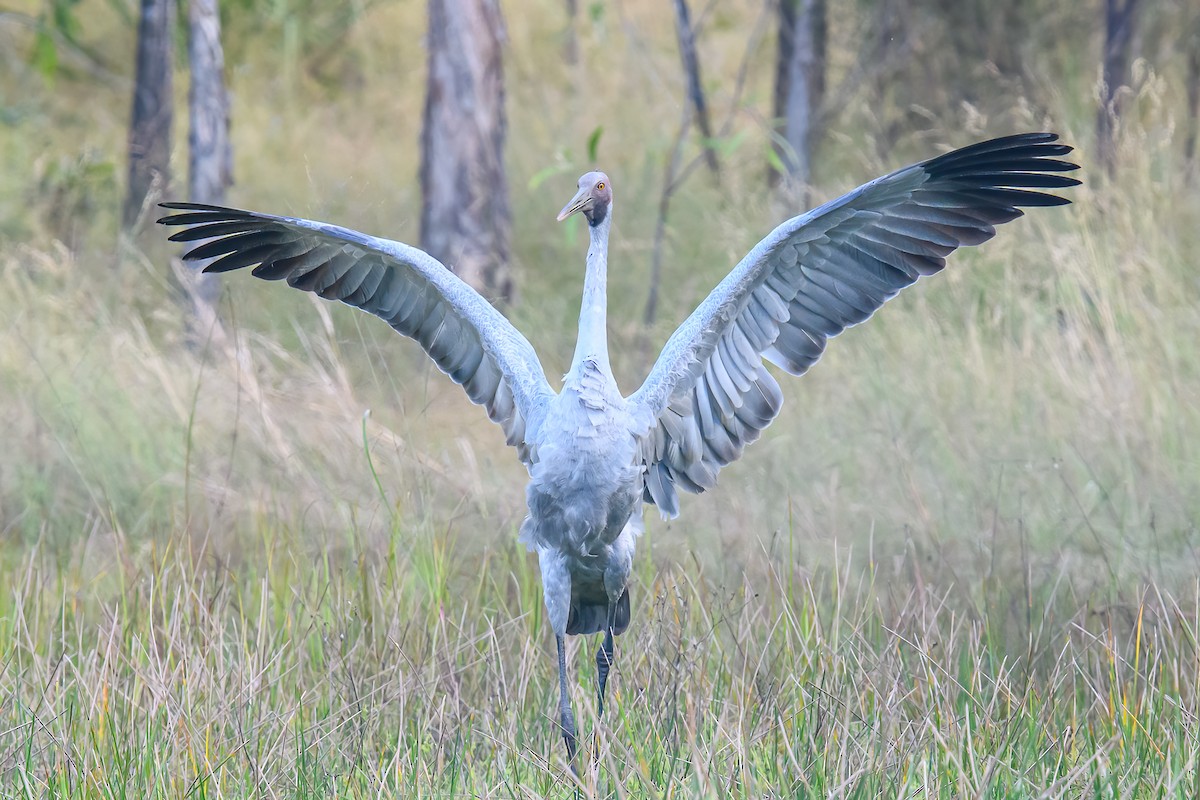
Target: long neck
593, 314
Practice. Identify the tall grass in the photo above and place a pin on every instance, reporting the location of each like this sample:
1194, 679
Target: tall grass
961, 563
299, 674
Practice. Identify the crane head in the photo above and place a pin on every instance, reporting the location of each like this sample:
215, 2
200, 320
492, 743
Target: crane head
593, 199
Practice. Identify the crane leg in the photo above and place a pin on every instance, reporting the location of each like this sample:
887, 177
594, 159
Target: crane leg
604, 658
566, 719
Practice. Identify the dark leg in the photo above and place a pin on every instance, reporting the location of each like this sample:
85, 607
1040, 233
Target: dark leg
566, 719
604, 658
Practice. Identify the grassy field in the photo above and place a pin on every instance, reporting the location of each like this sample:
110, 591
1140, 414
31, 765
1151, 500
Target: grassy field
300, 674
962, 563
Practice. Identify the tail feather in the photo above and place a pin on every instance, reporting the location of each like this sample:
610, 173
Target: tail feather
587, 617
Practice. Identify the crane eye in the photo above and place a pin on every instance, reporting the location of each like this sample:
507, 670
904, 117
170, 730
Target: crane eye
600, 186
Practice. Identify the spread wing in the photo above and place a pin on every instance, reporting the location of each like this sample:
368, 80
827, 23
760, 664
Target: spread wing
709, 394
413, 292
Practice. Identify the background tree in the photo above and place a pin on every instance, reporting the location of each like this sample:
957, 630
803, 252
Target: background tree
1119, 19
1193, 97
210, 155
685, 33
694, 111
465, 215
150, 122
799, 89
571, 42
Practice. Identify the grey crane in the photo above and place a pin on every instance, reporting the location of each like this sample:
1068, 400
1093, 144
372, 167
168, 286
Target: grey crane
595, 456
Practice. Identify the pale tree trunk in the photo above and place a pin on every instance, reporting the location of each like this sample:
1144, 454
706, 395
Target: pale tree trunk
465, 216
150, 122
210, 155
1119, 17
799, 90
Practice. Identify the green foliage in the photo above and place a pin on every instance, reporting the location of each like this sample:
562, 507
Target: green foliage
59, 26
727, 146
304, 36
64, 18
45, 55
545, 173
593, 143
70, 193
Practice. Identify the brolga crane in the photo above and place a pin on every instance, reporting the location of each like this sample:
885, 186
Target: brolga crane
594, 455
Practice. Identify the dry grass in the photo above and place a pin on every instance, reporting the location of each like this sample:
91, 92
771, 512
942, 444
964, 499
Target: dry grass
301, 674
962, 563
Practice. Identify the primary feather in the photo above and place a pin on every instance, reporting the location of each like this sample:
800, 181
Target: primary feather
810, 279
407, 288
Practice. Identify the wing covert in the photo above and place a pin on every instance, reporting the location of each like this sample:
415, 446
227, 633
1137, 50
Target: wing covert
418, 296
709, 395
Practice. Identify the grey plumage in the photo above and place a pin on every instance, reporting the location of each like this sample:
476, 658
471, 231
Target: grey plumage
806, 282
595, 456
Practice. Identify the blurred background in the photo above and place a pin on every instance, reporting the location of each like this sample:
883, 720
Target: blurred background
1032, 411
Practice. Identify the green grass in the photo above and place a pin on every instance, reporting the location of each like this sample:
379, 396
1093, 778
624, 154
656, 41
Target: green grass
296, 674
962, 562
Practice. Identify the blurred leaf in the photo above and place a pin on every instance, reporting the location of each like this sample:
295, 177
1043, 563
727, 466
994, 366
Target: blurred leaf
311, 36
596, 11
45, 54
775, 162
594, 142
545, 173
725, 146
64, 19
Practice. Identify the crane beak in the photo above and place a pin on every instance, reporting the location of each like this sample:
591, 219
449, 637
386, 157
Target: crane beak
578, 203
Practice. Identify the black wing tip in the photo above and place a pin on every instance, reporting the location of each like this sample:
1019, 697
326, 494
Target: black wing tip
196, 217
1040, 143
1028, 137
195, 213
1050, 145
1041, 136
1019, 156
1047, 200
179, 205
187, 205
214, 267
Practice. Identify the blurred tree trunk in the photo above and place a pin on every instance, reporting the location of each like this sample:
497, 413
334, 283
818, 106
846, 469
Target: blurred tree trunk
571, 47
465, 215
896, 34
150, 123
799, 90
210, 155
1119, 17
695, 89
1193, 99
